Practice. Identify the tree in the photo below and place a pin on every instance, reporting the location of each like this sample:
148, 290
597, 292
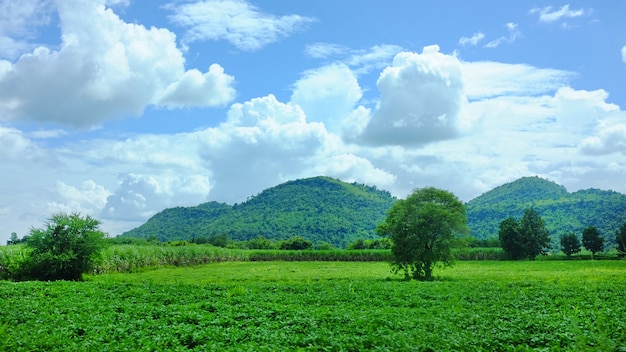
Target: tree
511, 239
592, 240
535, 234
14, 239
620, 239
64, 249
421, 229
526, 238
570, 244
296, 243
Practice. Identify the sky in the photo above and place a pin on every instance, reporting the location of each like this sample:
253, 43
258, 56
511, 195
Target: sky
119, 109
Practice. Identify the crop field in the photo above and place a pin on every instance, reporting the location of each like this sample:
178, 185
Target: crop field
324, 306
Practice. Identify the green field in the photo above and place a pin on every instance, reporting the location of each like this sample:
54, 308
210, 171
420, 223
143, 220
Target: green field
324, 306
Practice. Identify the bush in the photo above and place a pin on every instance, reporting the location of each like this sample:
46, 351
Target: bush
63, 250
296, 243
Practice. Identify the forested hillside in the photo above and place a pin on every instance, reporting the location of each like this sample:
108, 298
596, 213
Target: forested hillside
562, 211
320, 209
323, 209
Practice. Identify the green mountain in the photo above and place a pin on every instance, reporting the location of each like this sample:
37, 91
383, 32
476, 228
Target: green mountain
321, 209
563, 212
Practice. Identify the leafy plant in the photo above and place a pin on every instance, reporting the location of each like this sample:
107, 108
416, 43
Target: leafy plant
64, 249
570, 244
421, 229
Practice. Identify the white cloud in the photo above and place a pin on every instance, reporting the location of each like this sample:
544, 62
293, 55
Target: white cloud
87, 199
484, 79
19, 21
140, 196
609, 139
513, 35
324, 50
624, 54
420, 99
327, 94
236, 21
548, 15
473, 40
105, 69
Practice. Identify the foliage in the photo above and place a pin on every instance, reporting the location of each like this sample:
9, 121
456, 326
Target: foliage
563, 212
64, 249
320, 209
296, 243
620, 239
421, 229
379, 243
526, 238
475, 306
570, 244
592, 240
511, 238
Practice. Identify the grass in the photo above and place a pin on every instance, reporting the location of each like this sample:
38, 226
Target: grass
324, 306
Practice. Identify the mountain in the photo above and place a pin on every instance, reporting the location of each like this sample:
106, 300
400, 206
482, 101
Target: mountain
321, 209
563, 212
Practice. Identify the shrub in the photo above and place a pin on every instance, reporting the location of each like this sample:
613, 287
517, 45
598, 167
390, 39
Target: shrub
63, 250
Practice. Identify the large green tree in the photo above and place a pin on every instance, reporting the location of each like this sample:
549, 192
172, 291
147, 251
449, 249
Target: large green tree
63, 249
421, 229
592, 240
524, 239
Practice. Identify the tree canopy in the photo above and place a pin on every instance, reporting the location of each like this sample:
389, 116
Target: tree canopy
64, 249
570, 244
592, 240
524, 239
421, 229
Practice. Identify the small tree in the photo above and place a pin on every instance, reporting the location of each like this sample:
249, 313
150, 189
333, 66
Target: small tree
526, 238
511, 239
570, 244
296, 243
592, 240
421, 229
64, 249
620, 240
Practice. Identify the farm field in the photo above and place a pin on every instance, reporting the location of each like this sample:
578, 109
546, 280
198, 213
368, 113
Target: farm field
333, 306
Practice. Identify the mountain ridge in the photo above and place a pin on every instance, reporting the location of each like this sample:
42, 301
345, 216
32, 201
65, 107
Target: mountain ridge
324, 209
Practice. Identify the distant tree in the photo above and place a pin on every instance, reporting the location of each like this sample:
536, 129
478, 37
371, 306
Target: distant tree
592, 240
535, 234
421, 229
526, 238
296, 243
357, 244
570, 244
261, 242
13, 239
324, 246
64, 249
620, 239
219, 240
511, 239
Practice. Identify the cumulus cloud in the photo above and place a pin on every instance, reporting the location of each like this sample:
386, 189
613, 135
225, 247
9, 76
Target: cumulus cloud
473, 40
420, 97
549, 15
88, 199
105, 68
609, 139
513, 35
140, 196
19, 21
327, 94
236, 21
262, 142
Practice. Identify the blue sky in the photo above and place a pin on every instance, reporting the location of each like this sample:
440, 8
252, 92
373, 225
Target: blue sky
119, 108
